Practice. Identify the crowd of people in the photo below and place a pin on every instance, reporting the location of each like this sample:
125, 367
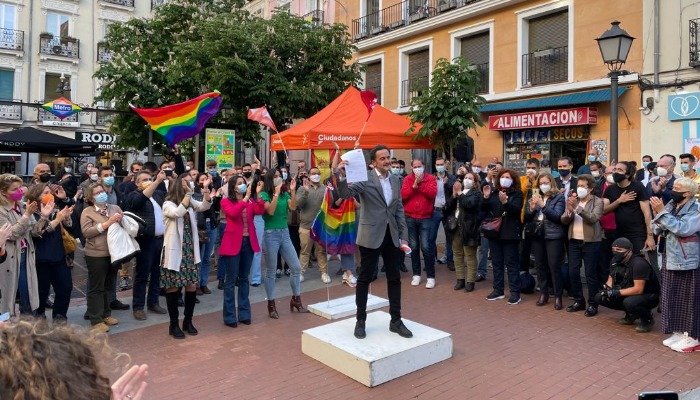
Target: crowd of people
635, 232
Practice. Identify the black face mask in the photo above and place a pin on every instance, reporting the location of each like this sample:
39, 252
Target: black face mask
618, 177
677, 197
460, 177
44, 178
618, 257
247, 174
564, 172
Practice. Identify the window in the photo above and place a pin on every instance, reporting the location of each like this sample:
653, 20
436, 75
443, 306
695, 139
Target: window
475, 48
58, 24
7, 84
7, 16
417, 76
52, 84
311, 5
373, 79
546, 59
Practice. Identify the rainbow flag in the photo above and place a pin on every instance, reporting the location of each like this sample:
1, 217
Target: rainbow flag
61, 107
335, 228
182, 121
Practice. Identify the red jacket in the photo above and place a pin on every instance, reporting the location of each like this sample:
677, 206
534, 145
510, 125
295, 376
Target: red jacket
418, 203
607, 221
233, 234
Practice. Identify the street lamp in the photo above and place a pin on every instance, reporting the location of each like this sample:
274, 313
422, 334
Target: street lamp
63, 86
614, 46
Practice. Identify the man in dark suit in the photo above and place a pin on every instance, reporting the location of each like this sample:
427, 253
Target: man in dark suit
643, 175
566, 180
382, 229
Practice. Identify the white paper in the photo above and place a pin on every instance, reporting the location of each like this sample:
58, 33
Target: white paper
355, 169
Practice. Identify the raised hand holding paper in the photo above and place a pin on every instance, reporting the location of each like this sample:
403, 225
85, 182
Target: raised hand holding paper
355, 168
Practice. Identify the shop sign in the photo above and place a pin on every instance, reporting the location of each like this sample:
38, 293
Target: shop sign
684, 106
104, 141
547, 135
542, 119
65, 124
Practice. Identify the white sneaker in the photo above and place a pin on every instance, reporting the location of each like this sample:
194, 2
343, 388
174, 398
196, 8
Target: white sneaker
686, 345
416, 280
430, 283
352, 281
673, 339
325, 278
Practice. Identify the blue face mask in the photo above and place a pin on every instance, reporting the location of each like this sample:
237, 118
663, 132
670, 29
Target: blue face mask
395, 171
242, 188
440, 168
101, 198
213, 172
109, 181
285, 176
591, 158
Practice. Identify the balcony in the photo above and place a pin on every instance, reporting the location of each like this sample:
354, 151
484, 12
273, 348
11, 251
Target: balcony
411, 88
157, 3
124, 3
694, 27
61, 47
315, 17
483, 70
544, 67
47, 116
11, 39
400, 15
11, 111
103, 54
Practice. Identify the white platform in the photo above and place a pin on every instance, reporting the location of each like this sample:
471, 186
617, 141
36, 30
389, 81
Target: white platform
345, 306
382, 355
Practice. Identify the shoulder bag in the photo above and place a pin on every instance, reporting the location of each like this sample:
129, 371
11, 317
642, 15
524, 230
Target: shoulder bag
491, 228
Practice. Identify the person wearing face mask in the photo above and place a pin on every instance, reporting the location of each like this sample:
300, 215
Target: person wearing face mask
95, 220
566, 180
445, 182
598, 173
607, 223
662, 184
309, 199
464, 205
593, 155
93, 176
688, 167
642, 175
214, 173
19, 267
42, 174
396, 169
147, 202
418, 193
630, 202
478, 170
292, 224
208, 226
545, 228
631, 287
528, 182
505, 200
402, 168
582, 215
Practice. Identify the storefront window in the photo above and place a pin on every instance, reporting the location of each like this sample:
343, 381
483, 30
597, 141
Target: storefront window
545, 144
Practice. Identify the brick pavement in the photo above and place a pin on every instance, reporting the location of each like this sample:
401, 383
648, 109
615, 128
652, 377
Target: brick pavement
500, 352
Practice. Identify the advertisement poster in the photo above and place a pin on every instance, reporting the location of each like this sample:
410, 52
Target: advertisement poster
602, 146
220, 146
692, 146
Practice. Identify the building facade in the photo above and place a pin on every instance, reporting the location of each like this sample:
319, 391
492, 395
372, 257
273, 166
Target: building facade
543, 77
49, 49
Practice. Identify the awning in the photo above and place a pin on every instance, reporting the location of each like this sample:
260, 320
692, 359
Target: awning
585, 97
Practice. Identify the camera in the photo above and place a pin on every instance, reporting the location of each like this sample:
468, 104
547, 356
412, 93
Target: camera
168, 172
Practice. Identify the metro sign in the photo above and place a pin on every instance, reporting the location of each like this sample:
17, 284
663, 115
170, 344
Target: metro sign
544, 119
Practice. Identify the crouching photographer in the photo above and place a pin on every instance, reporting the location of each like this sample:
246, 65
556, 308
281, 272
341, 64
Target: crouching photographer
632, 286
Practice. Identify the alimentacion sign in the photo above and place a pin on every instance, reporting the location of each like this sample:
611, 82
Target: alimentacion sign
544, 119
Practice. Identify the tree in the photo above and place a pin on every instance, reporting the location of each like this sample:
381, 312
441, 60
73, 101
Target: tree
193, 46
450, 106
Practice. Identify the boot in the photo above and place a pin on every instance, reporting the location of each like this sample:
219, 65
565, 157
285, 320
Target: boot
171, 301
295, 302
459, 285
272, 309
544, 299
187, 326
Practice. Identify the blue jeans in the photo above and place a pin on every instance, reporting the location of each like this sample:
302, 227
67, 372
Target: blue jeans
256, 267
589, 253
434, 228
147, 272
504, 257
347, 262
237, 268
220, 272
483, 256
278, 241
419, 230
25, 306
205, 250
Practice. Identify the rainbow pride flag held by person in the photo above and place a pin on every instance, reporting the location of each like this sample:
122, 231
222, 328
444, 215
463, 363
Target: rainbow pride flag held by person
178, 122
335, 228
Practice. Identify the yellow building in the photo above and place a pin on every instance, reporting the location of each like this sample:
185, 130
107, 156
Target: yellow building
543, 77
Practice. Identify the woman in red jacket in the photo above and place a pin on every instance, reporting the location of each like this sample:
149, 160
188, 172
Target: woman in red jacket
238, 246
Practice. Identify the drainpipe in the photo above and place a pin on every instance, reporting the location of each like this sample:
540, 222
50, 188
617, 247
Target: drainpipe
657, 40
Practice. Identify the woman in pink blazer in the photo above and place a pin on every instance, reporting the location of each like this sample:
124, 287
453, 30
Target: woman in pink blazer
238, 246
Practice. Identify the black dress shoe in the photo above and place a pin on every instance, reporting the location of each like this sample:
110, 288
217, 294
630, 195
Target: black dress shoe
118, 305
544, 299
558, 303
591, 311
469, 287
231, 324
480, 277
360, 330
245, 321
577, 306
220, 285
400, 328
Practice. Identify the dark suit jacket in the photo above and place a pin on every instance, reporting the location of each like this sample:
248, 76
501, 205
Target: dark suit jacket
572, 186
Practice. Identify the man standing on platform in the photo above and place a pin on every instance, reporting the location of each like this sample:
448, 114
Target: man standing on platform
382, 229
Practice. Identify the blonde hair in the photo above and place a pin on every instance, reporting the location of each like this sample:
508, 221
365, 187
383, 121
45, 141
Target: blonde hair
555, 189
88, 196
689, 184
6, 180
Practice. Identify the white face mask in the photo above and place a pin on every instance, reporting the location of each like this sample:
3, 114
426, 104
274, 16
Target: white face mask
191, 184
581, 192
595, 173
661, 171
505, 182
94, 177
477, 170
545, 188
315, 178
531, 172
610, 179
418, 170
468, 183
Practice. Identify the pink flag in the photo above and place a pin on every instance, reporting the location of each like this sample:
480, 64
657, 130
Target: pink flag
370, 99
262, 116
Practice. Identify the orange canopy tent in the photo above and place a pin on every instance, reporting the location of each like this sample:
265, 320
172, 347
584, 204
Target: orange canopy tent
341, 121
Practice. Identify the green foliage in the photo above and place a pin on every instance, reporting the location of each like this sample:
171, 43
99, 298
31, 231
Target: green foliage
450, 107
193, 46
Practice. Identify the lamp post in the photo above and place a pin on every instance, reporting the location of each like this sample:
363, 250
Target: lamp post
614, 46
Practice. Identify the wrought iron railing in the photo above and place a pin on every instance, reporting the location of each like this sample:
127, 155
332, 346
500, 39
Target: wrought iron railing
104, 118
47, 116
11, 111
11, 39
694, 36
55, 46
157, 3
547, 66
103, 53
125, 3
400, 15
411, 88
315, 17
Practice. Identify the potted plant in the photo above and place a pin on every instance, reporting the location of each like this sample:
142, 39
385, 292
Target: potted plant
68, 39
46, 35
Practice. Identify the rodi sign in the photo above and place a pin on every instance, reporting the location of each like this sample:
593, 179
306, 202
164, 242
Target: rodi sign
104, 141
